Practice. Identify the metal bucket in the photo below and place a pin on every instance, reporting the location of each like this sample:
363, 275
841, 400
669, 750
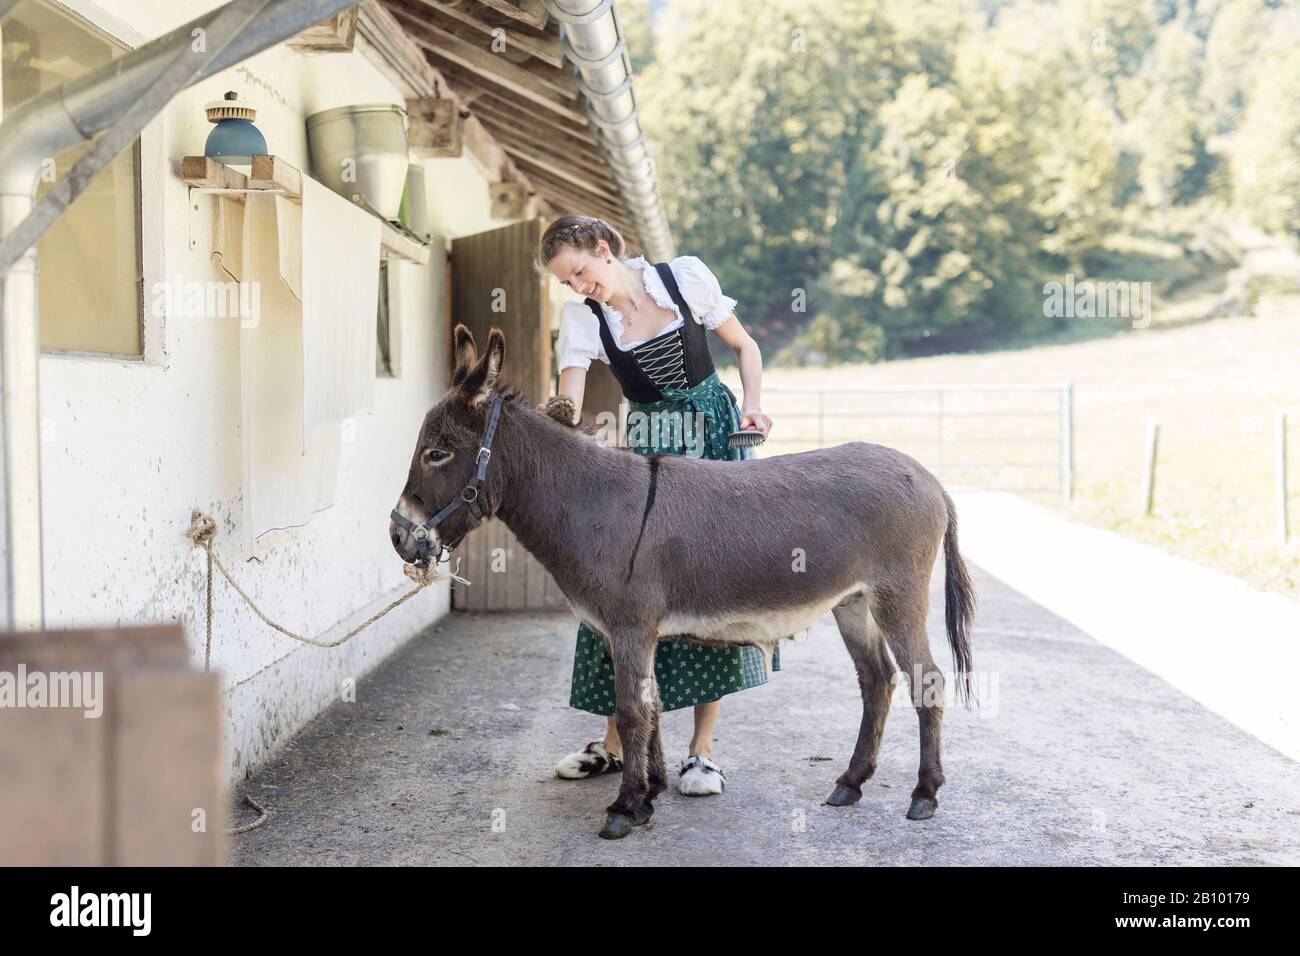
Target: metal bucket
360, 152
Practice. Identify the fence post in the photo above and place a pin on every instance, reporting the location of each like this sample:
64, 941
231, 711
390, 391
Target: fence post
941, 437
1149, 465
821, 419
1282, 527
1067, 441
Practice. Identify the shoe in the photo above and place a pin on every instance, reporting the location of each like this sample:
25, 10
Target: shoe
700, 777
591, 761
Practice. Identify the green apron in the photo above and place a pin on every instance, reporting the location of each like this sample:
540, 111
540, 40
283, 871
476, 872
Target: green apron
687, 673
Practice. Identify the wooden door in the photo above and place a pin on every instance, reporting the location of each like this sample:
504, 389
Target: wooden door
493, 283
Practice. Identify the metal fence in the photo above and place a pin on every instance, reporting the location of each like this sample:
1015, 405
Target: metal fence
998, 437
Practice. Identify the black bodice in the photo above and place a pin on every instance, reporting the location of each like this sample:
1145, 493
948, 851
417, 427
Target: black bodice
676, 359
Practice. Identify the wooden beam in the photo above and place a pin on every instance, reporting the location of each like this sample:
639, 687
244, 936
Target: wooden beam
554, 184
207, 173
496, 113
395, 244
577, 201
335, 35
467, 48
530, 164
385, 44
531, 12
586, 159
504, 101
509, 200
520, 83
546, 48
434, 127
570, 203
272, 172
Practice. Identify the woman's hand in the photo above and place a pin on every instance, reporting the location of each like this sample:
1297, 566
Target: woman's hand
754, 418
562, 408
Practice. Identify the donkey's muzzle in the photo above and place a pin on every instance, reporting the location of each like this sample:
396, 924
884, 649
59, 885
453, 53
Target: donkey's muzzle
414, 544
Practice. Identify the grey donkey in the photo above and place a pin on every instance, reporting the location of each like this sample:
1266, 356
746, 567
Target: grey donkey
650, 546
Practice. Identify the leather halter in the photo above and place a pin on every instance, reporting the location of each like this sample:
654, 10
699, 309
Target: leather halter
469, 495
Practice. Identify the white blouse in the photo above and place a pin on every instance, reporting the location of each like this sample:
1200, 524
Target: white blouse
579, 339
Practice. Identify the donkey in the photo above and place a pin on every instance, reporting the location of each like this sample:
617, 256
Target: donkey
644, 547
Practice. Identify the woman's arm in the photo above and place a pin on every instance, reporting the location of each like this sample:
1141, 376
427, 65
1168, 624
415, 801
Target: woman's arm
750, 360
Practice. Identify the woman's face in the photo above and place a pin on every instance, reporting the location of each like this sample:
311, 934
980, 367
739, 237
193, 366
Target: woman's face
586, 273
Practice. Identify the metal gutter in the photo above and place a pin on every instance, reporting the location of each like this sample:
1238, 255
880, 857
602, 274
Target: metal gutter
593, 42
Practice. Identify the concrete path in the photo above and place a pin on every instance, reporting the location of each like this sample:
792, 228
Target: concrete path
1233, 648
1082, 757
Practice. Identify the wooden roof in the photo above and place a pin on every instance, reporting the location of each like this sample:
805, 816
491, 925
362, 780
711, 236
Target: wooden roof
504, 63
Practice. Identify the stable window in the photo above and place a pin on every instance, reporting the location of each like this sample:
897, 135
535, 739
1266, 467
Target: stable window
90, 287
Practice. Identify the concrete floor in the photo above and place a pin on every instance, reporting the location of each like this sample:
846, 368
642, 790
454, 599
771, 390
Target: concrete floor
1083, 759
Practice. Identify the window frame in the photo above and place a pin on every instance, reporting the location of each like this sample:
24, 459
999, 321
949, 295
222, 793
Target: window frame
150, 181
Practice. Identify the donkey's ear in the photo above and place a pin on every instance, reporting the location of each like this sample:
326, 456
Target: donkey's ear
484, 375
464, 352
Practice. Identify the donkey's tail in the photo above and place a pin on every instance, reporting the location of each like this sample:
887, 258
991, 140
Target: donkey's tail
959, 605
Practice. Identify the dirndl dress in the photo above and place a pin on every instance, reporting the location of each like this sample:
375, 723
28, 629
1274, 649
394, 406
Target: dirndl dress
687, 673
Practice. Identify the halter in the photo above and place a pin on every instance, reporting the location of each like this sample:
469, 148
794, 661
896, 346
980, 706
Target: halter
469, 495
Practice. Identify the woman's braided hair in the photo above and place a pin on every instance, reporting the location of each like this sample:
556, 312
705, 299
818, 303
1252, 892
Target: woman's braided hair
572, 231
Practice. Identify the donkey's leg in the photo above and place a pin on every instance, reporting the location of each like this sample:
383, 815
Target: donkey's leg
866, 646
635, 704
656, 769
901, 614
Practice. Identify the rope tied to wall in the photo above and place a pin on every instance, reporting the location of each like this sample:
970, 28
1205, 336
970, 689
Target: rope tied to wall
202, 531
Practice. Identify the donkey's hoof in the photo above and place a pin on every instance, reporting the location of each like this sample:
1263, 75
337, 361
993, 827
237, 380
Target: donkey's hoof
617, 826
843, 796
922, 808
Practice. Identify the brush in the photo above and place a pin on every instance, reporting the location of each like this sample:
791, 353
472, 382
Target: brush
745, 438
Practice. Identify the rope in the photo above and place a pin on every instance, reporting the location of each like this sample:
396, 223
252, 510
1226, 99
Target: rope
203, 529
262, 814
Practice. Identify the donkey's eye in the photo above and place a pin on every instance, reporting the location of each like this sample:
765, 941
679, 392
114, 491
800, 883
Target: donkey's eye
436, 456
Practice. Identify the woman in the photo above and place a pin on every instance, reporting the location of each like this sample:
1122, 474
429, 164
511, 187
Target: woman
648, 324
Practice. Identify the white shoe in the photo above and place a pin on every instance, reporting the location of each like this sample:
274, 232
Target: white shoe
700, 777
590, 761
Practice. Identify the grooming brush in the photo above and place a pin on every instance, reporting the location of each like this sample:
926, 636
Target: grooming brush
745, 438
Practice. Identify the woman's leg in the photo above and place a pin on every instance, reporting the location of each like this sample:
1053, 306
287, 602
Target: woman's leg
592, 688
611, 741
706, 715
699, 776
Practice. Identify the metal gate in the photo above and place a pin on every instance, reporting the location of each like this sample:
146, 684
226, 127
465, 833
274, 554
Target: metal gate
997, 437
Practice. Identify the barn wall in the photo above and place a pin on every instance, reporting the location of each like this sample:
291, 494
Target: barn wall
133, 447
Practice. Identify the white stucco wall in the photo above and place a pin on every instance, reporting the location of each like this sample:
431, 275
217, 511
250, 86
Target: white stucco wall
133, 447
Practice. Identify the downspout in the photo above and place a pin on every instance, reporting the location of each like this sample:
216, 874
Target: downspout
40, 129
593, 42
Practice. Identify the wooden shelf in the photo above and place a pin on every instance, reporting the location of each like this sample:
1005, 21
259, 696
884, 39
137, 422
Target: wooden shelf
271, 174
